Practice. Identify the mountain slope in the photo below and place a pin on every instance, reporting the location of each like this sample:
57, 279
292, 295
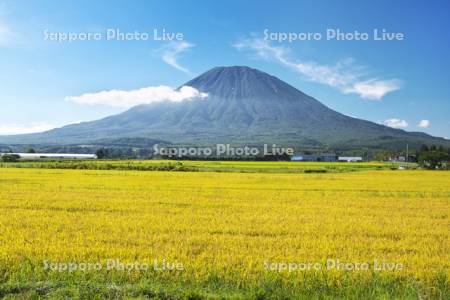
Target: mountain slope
244, 106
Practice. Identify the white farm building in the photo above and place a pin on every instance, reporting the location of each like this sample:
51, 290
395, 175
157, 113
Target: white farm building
34, 156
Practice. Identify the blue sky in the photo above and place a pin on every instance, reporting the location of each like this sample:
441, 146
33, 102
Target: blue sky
45, 83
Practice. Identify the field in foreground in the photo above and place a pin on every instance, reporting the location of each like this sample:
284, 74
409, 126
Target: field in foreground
229, 235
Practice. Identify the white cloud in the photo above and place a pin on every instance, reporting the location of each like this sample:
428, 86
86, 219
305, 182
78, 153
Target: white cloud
373, 89
424, 123
10, 129
170, 54
396, 123
121, 98
344, 75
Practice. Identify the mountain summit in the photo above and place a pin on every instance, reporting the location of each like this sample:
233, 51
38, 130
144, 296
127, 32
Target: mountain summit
243, 106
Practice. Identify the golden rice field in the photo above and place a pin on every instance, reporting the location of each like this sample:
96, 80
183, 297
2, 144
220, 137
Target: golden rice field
224, 235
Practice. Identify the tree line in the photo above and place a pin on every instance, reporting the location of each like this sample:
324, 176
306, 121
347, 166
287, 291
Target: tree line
433, 157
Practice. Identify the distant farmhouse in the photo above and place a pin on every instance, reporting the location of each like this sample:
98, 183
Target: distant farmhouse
34, 156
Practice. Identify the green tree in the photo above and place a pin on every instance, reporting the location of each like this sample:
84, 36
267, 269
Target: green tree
434, 157
10, 157
101, 153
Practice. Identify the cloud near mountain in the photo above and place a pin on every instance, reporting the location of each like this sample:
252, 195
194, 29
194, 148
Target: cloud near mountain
396, 123
344, 75
424, 123
6, 129
147, 95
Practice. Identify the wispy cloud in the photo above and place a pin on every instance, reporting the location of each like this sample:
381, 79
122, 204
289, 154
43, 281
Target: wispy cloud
122, 98
10, 129
396, 123
344, 75
171, 52
424, 123
6, 35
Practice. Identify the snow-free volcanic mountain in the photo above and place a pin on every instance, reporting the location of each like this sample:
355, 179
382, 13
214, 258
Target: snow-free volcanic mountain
244, 106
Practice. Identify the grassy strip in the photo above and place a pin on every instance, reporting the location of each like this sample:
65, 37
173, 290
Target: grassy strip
202, 166
309, 287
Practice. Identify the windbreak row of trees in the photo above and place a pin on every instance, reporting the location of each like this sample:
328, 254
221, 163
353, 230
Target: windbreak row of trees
124, 153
